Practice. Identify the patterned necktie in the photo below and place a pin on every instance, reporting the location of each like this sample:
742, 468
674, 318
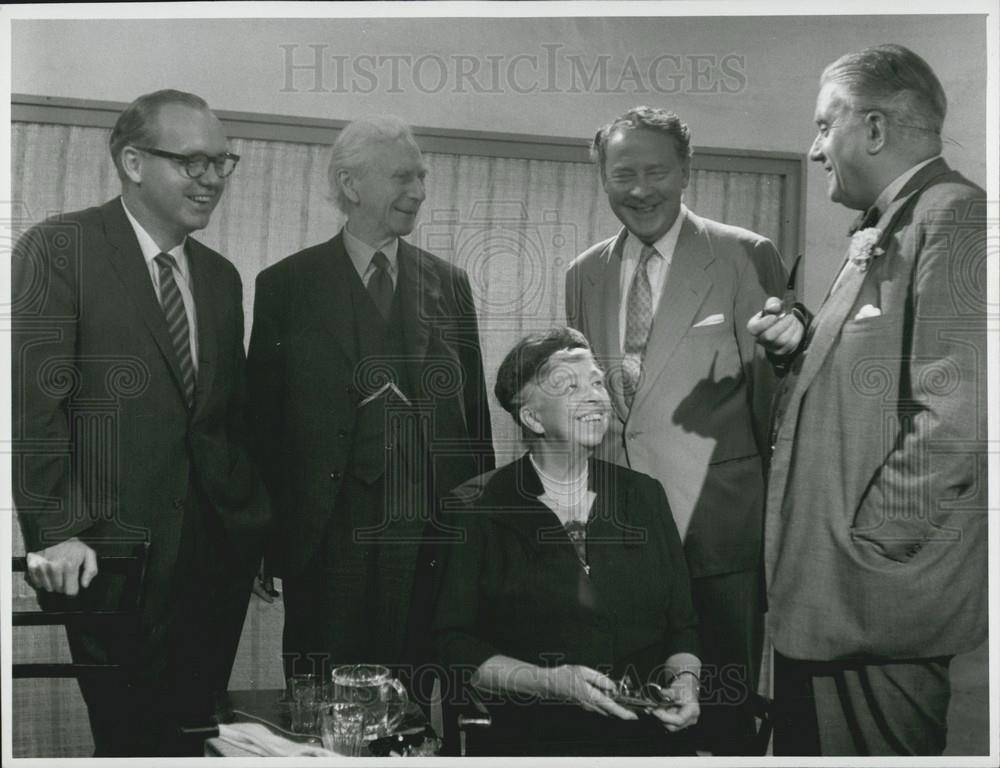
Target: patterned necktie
380, 284
177, 322
639, 321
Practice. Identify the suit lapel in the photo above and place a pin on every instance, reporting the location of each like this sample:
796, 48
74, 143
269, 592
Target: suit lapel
685, 290
330, 294
601, 291
827, 325
833, 314
885, 221
206, 306
609, 295
419, 289
920, 179
126, 259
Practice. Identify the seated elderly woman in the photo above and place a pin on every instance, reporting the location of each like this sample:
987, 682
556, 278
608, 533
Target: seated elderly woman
569, 579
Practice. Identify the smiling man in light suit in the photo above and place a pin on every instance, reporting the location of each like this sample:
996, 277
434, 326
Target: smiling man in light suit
664, 304
876, 536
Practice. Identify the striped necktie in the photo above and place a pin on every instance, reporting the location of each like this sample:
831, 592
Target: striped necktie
177, 322
639, 321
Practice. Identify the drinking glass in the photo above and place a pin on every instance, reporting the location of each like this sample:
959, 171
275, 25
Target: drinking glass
372, 687
304, 694
342, 727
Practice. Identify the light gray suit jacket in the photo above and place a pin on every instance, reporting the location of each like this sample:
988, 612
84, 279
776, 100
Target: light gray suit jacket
698, 423
876, 511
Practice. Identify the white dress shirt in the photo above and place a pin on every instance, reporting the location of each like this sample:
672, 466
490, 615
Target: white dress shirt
656, 268
888, 194
182, 276
361, 254
882, 202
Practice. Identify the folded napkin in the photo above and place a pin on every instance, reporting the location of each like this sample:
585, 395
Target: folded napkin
261, 740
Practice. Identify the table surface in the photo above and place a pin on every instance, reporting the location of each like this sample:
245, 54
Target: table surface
268, 706
263, 705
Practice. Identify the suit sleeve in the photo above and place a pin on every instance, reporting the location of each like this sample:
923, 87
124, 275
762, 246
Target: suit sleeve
475, 400
265, 377
574, 307
458, 638
681, 618
245, 481
46, 309
763, 276
933, 477
239, 399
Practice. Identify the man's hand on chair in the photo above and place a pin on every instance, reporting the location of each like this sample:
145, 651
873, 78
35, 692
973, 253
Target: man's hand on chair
63, 568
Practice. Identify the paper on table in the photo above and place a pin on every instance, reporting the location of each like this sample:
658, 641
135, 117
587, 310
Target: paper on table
262, 741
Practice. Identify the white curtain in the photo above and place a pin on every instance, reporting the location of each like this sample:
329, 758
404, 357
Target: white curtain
513, 224
751, 200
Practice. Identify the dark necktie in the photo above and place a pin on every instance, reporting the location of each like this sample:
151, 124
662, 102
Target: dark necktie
864, 220
177, 322
638, 322
380, 284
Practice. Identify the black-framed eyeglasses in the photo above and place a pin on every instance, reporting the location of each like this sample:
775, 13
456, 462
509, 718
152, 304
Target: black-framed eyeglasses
196, 165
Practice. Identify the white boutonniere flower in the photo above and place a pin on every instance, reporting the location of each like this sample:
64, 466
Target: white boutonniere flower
864, 249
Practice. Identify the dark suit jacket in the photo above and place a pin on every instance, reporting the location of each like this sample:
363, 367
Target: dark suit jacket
513, 585
876, 520
303, 362
104, 445
698, 423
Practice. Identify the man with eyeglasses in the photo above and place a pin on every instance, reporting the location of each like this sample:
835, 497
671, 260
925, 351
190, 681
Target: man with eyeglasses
129, 426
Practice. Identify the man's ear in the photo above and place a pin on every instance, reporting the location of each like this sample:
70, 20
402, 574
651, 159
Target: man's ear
530, 420
131, 160
346, 183
876, 125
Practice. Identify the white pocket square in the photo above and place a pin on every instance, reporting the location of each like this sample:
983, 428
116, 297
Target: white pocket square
710, 320
868, 310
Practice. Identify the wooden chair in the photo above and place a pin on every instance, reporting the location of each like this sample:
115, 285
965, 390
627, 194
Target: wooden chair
133, 566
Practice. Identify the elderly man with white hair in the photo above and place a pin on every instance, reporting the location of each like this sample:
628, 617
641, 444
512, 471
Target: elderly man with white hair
369, 401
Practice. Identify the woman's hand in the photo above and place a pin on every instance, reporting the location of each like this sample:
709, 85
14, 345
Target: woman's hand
683, 711
586, 687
